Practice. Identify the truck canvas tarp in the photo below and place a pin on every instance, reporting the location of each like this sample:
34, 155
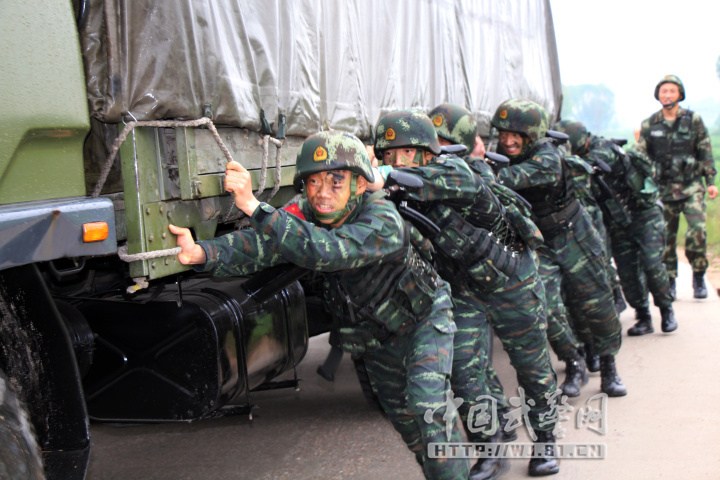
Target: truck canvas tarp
341, 64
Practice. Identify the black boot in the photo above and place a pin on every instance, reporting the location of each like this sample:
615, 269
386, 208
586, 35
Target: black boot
575, 375
610, 382
489, 468
592, 359
547, 464
506, 435
699, 290
620, 304
643, 324
668, 323
673, 291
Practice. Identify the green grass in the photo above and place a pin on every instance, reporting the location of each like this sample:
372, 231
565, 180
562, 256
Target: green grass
712, 223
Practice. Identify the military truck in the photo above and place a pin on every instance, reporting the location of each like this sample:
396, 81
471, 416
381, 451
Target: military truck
118, 119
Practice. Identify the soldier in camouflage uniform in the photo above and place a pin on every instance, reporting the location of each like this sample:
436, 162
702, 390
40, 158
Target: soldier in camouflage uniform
489, 264
677, 141
585, 173
634, 222
390, 304
516, 311
572, 255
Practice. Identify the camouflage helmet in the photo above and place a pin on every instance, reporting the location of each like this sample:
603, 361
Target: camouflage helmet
406, 128
455, 124
331, 150
521, 116
670, 79
576, 131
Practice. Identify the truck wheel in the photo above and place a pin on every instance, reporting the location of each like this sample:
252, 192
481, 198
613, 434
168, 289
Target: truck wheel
365, 384
20, 456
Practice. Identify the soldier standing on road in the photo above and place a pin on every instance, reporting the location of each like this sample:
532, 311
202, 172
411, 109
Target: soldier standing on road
572, 255
635, 224
677, 141
490, 266
390, 304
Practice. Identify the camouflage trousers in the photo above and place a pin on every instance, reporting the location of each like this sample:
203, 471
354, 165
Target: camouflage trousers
695, 238
410, 374
471, 363
581, 328
517, 315
596, 215
638, 251
573, 259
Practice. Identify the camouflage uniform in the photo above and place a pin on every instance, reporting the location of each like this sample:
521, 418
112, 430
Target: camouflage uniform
682, 153
390, 304
516, 310
583, 172
637, 231
448, 178
572, 255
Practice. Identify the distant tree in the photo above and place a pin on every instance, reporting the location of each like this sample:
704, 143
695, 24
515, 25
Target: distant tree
593, 105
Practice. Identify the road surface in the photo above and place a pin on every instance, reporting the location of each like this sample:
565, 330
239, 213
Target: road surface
667, 426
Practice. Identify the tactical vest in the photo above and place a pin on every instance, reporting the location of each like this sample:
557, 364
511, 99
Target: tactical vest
470, 254
390, 298
631, 180
672, 149
477, 243
553, 206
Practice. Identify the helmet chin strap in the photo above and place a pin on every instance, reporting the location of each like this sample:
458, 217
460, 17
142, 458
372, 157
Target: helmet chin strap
337, 215
670, 106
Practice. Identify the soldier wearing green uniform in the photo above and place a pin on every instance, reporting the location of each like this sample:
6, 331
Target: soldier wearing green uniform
572, 255
516, 310
391, 306
488, 260
634, 221
677, 141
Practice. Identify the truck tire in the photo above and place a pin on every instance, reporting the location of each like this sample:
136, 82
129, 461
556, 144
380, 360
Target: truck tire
365, 384
20, 456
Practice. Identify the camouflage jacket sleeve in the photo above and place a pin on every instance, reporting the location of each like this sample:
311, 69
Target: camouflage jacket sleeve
449, 178
703, 149
543, 168
368, 235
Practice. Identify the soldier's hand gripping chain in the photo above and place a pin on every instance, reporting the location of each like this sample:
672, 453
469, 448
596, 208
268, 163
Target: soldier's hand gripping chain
239, 183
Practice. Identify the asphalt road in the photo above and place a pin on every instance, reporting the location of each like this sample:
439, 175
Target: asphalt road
667, 426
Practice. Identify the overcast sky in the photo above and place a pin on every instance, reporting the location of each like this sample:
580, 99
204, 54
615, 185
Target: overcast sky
629, 45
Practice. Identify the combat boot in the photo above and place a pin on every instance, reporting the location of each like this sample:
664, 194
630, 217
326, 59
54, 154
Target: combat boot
492, 467
575, 375
610, 382
546, 464
699, 289
507, 435
620, 305
644, 323
592, 359
668, 323
673, 291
